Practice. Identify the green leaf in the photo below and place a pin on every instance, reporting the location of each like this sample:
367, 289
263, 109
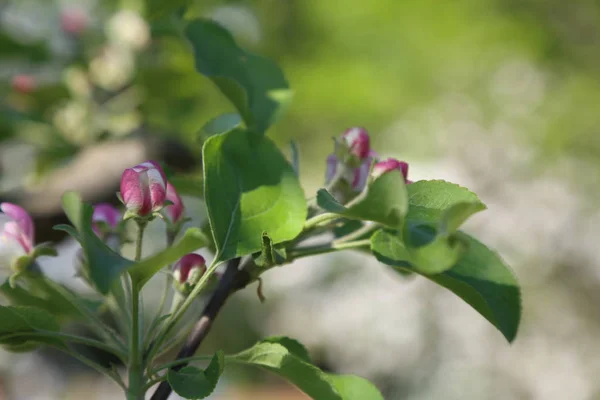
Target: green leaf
194, 383
288, 359
142, 271
292, 345
249, 189
44, 249
26, 321
276, 358
480, 278
352, 387
221, 124
445, 206
455, 216
43, 293
440, 253
255, 85
384, 201
429, 200
69, 229
104, 264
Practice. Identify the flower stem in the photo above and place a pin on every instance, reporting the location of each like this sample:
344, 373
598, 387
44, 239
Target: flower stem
364, 230
319, 219
136, 379
327, 248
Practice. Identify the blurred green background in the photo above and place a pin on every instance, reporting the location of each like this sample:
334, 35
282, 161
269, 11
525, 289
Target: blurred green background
500, 96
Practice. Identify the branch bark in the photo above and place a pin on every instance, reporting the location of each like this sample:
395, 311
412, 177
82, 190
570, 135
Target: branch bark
233, 279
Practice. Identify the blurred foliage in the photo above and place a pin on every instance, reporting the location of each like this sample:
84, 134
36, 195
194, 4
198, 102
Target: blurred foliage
356, 63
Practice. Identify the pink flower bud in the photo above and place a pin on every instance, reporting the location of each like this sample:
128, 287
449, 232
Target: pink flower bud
189, 268
388, 165
332, 165
23, 83
173, 212
355, 177
360, 176
106, 217
143, 188
357, 140
17, 233
73, 20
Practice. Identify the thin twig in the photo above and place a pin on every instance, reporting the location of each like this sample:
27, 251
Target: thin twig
232, 280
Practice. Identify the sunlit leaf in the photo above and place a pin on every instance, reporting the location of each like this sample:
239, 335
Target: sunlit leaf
480, 278
250, 189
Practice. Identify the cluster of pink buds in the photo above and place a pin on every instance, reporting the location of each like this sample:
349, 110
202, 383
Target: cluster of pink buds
353, 158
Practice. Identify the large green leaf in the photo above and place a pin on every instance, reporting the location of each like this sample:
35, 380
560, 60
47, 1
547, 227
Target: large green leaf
142, 271
221, 124
428, 200
385, 201
255, 85
445, 207
250, 189
193, 383
22, 328
355, 387
480, 278
292, 345
104, 264
277, 357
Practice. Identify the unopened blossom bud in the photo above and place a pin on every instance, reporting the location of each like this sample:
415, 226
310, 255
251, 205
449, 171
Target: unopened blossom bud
23, 83
357, 141
332, 166
73, 20
105, 218
391, 164
355, 177
16, 233
188, 271
143, 189
105, 223
361, 175
173, 212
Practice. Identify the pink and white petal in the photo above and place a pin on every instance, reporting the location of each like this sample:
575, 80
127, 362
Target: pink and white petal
10, 249
361, 174
106, 213
132, 189
174, 211
156, 177
21, 217
13, 231
157, 196
332, 165
157, 166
